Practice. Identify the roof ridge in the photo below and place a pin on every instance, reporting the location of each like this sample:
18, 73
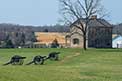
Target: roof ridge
100, 21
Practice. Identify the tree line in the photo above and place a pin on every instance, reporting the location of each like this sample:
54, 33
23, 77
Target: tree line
12, 36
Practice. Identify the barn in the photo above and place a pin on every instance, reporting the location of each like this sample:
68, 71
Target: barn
45, 39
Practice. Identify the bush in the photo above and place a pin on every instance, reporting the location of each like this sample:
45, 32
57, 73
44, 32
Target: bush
55, 44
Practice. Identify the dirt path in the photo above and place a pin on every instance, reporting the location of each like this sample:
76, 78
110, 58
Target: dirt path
69, 57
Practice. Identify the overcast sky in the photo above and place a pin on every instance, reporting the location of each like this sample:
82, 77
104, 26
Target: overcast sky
45, 12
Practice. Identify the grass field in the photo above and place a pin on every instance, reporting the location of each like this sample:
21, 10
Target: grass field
74, 65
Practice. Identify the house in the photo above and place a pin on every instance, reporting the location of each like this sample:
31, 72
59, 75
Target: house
117, 41
99, 34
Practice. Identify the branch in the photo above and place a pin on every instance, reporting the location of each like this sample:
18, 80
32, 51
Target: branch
82, 7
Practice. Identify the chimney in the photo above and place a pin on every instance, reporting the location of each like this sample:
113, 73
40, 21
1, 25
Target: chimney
94, 17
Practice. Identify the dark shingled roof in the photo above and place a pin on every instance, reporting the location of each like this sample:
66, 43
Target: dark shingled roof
96, 23
99, 22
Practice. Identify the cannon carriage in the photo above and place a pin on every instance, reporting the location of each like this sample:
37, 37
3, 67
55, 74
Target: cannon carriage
38, 60
53, 56
16, 60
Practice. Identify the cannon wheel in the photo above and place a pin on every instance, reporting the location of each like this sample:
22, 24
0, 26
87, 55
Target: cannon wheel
18, 62
38, 60
54, 58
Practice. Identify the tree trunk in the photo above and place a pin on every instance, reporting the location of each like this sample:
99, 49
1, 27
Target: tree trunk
84, 43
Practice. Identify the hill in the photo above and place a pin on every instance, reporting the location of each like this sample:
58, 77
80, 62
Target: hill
15, 27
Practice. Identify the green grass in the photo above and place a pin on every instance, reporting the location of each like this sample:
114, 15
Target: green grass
74, 65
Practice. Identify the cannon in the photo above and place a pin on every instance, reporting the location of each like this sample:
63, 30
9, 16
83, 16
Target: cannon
16, 60
37, 60
53, 56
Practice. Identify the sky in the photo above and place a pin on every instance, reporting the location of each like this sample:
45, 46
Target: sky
45, 12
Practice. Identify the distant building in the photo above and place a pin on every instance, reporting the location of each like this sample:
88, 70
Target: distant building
99, 34
117, 41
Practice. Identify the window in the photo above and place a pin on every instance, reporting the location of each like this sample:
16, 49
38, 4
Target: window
76, 41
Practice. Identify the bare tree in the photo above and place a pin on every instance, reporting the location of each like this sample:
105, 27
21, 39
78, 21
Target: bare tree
76, 10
